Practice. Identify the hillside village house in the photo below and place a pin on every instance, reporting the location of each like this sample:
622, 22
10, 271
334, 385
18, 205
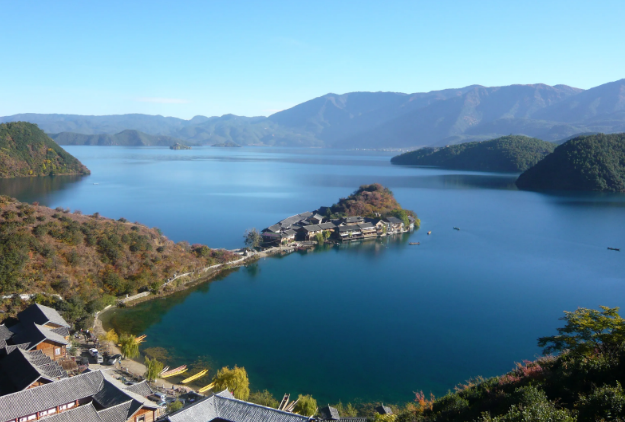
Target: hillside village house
39, 328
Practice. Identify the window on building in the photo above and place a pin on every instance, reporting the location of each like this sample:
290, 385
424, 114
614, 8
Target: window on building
57, 351
141, 418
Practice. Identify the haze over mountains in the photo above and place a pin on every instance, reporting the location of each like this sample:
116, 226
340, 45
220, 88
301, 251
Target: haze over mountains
384, 119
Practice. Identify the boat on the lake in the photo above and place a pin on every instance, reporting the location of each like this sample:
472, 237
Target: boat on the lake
614, 249
176, 371
456, 228
414, 243
430, 232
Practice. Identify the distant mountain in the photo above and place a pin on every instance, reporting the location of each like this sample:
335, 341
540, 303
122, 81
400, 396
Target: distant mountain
385, 119
586, 163
125, 138
506, 154
476, 114
25, 150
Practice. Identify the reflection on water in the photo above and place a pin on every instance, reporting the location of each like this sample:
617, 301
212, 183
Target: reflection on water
37, 189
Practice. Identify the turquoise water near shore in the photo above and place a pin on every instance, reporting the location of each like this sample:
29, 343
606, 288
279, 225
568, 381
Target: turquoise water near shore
370, 321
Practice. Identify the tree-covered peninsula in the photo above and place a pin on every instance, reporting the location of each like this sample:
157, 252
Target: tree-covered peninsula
514, 153
87, 259
26, 151
585, 163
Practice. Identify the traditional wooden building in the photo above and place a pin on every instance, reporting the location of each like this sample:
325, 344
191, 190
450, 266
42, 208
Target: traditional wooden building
395, 224
39, 328
22, 369
90, 397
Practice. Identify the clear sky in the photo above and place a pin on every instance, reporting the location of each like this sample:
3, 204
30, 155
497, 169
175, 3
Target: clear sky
184, 58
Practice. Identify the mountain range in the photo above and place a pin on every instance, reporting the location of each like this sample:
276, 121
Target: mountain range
384, 119
128, 137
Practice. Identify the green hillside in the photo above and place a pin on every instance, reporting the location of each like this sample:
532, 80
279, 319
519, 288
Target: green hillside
587, 163
512, 153
123, 138
25, 150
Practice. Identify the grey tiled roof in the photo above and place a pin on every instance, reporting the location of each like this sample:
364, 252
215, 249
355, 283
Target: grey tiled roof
5, 333
86, 413
274, 229
40, 314
353, 228
393, 220
224, 407
24, 368
141, 388
353, 219
327, 226
47, 396
353, 419
23, 346
365, 225
62, 331
312, 228
35, 334
329, 413
118, 413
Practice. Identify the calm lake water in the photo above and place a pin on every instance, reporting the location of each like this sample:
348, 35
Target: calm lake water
371, 321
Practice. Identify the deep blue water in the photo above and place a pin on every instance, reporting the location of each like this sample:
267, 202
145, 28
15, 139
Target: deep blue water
374, 321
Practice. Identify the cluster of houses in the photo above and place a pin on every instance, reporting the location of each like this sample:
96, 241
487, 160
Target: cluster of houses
34, 385
306, 226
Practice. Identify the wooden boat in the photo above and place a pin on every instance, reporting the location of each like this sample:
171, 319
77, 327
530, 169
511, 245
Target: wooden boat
206, 388
196, 376
165, 369
414, 243
430, 232
456, 228
284, 402
176, 371
614, 249
141, 338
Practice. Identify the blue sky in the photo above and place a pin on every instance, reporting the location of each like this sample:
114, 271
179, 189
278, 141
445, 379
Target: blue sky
187, 58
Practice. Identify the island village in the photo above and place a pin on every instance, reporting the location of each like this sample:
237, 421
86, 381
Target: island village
312, 226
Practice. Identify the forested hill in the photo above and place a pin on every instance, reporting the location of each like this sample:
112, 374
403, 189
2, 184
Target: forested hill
370, 201
25, 150
123, 138
505, 154
586, 163
87, 259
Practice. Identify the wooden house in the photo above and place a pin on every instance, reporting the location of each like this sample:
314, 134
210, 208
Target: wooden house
349, 232
352, 220
309, 232
368, 230
90, 397
315, 219
396, 225
21, 370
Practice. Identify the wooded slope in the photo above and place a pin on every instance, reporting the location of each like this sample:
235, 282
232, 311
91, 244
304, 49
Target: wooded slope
25, 150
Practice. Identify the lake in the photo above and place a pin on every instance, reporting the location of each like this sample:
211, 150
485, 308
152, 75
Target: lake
371, 321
